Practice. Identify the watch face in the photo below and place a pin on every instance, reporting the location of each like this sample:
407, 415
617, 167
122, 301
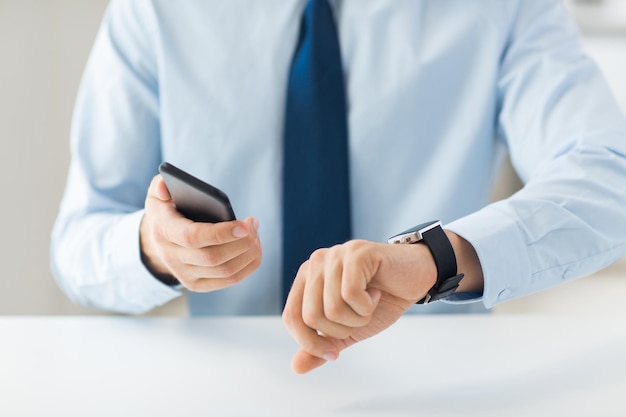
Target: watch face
414, 234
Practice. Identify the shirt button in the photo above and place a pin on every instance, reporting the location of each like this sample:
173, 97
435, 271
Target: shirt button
569, 273
504, 294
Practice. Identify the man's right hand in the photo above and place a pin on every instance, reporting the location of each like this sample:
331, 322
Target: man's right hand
202, 256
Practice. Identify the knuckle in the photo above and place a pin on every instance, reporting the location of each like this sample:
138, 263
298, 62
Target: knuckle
354, 247
179, 271
308, 346
181, 276
255, 264
231, 280
209, 285
256, 248
224, 271
193, 284
213, 233
354, 244
303, 271
211, 258
185, 239
304, 267
190, 235
310, 319
236, 279
333, 311
287, 317
319, 255
350, 292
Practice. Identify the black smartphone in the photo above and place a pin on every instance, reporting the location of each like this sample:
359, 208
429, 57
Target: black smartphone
194, 198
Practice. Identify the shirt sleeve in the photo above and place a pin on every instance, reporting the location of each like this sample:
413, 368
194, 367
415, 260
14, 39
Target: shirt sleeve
567, 141
115, 145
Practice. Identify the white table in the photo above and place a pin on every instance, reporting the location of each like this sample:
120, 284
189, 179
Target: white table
422, 366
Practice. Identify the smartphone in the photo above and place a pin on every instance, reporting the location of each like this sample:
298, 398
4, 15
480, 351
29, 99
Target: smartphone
194, 198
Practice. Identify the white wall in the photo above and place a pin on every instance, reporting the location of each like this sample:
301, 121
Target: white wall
43, 49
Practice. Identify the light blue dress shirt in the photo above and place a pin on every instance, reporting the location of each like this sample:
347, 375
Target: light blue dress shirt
438, 91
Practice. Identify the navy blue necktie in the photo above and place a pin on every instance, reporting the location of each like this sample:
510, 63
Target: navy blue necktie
316, 190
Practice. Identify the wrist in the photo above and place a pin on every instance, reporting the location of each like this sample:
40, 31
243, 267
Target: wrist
408, 271
428, 269
149, 259
164, 278
468, 263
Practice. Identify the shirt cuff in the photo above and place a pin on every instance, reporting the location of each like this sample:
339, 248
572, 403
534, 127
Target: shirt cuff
463, 298
136, 282
501, 249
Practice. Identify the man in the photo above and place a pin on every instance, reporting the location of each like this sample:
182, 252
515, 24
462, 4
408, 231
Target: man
434, 93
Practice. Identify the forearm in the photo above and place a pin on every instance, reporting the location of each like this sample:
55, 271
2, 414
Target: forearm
566, 223
96, 261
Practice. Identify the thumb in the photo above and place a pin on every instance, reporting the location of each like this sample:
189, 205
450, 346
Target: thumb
160, 190
303, 362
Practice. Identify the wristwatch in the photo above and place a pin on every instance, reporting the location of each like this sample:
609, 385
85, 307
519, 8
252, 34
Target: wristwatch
432, 234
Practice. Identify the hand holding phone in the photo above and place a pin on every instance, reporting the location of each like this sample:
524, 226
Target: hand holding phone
189, 234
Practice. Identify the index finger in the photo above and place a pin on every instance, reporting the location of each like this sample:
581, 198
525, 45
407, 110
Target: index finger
310, 341
195, 235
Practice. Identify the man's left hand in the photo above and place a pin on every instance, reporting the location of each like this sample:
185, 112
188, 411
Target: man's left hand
350, 292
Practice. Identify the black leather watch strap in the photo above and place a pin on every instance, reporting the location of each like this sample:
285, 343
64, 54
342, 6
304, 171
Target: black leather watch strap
433, 235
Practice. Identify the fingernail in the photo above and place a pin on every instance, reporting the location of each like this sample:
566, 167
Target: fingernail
330, 356
240, 231
255, 223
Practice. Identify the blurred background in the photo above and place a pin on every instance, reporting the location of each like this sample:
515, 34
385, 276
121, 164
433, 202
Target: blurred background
44, 45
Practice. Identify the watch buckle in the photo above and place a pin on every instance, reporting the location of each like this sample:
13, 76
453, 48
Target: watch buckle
426, 299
